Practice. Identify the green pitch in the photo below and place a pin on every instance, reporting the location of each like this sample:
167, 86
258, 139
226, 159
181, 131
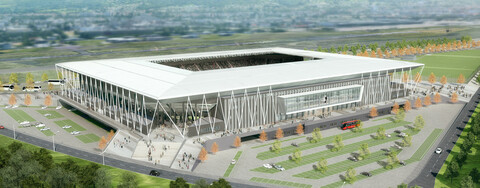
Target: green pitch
54, 114
75, 126
19, 115
451, 64
88, 138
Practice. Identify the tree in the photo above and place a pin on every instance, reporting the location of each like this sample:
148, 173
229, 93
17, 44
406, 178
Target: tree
237, 143
48, 100
50, 86
467, 182
201, 183
277, 146
432, 79
110, 135
427, 100
59, 178
407, 141
60, 75
263, 136
44, 158
14, 147
454, 98
103, 178
128, 180
419, 123
407, 106
395, 108
28, 100
316, 135
102, 143
279, 133
221, 183
13, 100
297, 156
381, 133
418, 102
437, 98
351, 175
322, 165
179, 183
475, 174
44, 77
403, 185
443, 80
13, 78
364, 152
29, 80
299, 129
358, 128
400, 116
214, 148
373, 112
202, 155
461, 157
418, 78
461, 79
87, 174
337, 143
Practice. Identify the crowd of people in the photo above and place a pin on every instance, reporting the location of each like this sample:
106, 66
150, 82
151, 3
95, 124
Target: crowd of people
121, 142
186, 161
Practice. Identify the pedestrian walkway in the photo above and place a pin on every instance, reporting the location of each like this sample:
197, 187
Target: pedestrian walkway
161, 153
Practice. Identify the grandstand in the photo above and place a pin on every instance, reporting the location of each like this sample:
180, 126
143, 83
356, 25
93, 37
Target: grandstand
227, 91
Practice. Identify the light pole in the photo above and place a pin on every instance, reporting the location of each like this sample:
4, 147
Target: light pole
53, 140
14, 133
343, 183
103, 157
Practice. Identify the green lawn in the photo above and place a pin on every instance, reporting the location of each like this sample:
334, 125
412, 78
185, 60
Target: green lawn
88, 138
19, 115
269, 144
451, 64
307, 145
278, 182
75, 126
230, 167
314, 157
473, 159
145, 181
417, 156
54, 114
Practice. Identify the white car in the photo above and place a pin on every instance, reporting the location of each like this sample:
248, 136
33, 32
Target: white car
233, 162
44, 107
67, 127
16, 106
7, 106
75, 132
46, 115
278, 167
266, 165
24, 122
388, 135
44, 129
58, 107
403, 134
438, 150
40, 125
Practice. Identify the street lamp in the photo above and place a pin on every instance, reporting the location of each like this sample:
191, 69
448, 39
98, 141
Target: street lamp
343, 183
14, 133
103, 157
53, 140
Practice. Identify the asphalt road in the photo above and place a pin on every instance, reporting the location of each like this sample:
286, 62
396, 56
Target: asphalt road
124, 163
426, 178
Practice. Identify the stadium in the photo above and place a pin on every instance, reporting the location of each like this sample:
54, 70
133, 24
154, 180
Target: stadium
198, 93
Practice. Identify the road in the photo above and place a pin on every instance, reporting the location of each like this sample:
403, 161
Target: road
426, 178
124, 163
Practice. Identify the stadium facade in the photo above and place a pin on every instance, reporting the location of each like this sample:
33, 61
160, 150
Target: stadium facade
201, 93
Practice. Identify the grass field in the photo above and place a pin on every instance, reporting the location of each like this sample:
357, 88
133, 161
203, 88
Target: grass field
54, 114
278, 182
145, 181
269, 144
230, 167
75, 126
19, 115
451, 64
307, 145
314, 157
88, 138
417, 156
473, 159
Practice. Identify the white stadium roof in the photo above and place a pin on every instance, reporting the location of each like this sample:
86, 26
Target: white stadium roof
165, 82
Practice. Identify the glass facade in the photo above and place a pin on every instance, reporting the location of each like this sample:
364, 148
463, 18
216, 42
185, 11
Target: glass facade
323, 98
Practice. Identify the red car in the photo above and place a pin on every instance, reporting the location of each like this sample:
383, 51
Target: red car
2, 127
350, 124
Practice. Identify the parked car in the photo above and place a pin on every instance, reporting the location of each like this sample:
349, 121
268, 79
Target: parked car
233, 162
368, 174
38, 125
67, 127
403, 163
278, 167
75, 132
266, 165
58, 107
44, 107
2, 127
354, 159
45, 129
403, 135
155, 173
46, 115
294, 144
386, 149
438, 150
15, 106
24, 122
397, 131
388, 135
7, 106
